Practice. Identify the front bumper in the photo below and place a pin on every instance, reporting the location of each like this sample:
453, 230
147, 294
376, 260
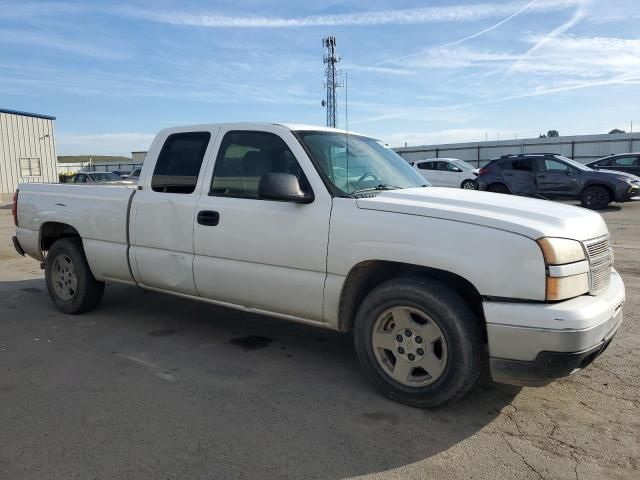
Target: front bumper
532, 344
628, 193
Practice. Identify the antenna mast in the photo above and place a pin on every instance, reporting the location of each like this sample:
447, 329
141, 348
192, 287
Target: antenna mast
331, 82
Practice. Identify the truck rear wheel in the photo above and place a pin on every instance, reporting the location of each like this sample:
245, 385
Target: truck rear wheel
71, 285
418, 342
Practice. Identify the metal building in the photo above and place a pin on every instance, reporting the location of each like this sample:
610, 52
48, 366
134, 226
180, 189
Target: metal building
138, 157
582, 148
27, 149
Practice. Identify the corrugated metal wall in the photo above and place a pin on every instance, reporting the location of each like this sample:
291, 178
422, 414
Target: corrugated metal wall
23, 136
582, 148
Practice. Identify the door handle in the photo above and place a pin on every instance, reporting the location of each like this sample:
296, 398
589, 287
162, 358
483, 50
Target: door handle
540, 176
208, 218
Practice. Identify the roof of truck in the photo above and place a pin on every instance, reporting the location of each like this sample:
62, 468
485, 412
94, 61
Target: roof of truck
296, 127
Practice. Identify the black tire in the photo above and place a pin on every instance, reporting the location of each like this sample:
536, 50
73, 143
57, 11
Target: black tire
461, 330
86, 292
469, 185
498, 188
595, 198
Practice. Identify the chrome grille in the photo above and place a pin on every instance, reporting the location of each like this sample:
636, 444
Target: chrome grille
600, 256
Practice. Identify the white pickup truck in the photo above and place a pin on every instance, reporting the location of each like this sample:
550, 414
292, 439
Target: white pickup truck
331, 229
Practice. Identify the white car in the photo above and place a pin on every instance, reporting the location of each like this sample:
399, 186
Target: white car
448, 172
317, 226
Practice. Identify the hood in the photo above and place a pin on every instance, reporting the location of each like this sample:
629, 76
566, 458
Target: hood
526, 216
617, 173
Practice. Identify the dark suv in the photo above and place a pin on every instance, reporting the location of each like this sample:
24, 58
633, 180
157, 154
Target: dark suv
547, 175
623, 162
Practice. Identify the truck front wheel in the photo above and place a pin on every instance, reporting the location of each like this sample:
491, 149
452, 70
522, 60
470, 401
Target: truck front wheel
71, 285
418, 342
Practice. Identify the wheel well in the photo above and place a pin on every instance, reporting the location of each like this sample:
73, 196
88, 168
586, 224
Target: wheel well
365, 276
466, 180
498, 183
612, 195
52, 231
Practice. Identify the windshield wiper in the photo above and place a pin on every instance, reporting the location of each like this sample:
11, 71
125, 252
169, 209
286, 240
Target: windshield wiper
382, 186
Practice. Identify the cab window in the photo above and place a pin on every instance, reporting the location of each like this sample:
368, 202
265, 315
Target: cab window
245, 157
179, 162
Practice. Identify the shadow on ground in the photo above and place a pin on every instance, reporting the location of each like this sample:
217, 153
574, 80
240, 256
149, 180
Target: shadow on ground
153, 386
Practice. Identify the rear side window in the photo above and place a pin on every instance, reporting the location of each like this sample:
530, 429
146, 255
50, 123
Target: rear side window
523, 164
425, 166
625, 162
179, 162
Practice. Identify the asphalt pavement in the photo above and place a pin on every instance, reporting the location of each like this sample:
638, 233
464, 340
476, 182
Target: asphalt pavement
151, 386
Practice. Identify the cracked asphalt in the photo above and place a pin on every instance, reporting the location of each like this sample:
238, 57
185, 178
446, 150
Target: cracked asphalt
150, 386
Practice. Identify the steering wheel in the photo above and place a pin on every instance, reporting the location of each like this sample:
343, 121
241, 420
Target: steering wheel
365, 176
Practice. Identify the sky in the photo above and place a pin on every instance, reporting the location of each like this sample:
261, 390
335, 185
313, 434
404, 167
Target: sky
114, 73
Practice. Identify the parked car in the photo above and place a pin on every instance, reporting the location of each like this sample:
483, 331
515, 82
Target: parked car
134, 176
448, 172
552, 176
254, 216
624, 162
97, 177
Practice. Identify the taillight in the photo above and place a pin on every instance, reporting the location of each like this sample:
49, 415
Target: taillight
483, 170
14, 208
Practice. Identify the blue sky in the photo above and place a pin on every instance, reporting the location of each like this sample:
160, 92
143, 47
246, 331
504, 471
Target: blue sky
419, 72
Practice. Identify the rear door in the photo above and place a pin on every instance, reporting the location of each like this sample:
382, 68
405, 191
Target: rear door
451, 173
556, 179
518, 174
163, 212
426, 169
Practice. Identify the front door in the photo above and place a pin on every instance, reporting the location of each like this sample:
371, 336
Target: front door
163, 214
555, 178
257, 253
452, 174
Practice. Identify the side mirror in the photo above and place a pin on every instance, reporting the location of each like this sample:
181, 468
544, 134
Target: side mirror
283, 187
457, 169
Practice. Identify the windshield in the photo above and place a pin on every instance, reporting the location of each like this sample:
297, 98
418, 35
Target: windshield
105, 177
464, 165
573, 163
353, 164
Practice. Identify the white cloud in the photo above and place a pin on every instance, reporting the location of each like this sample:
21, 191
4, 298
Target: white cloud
47, 41
452, 13
576, 18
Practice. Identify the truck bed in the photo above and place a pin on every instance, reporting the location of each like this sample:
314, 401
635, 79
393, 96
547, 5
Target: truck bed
98, 212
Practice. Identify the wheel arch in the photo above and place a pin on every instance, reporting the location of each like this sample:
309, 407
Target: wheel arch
50, 232
608, 188
367, 275
498, 182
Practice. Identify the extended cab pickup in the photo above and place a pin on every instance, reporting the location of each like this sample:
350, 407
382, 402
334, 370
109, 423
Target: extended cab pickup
331, 229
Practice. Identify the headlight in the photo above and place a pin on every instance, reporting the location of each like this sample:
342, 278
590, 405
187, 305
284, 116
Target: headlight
558, 251
567, 268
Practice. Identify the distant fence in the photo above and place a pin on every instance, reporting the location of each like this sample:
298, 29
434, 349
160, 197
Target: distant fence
69, 168
583, 148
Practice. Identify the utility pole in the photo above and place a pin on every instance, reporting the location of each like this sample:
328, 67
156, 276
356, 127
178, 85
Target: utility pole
331, 82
